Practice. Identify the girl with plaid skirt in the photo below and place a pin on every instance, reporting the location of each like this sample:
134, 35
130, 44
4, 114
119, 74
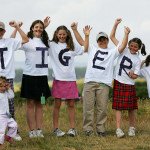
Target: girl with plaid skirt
126, 70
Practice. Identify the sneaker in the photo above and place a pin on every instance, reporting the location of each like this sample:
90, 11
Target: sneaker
58, 132
131, 131
101, 134
39, 133
8, 139
72, 132
32, 134
17, 137
89, 133
119, 133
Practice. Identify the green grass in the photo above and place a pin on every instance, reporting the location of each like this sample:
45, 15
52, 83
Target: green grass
140, 142
81, 142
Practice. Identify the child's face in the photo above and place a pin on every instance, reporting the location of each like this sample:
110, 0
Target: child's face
2, 32
102, 42
2, 85
62, 36
38, 30
134, 47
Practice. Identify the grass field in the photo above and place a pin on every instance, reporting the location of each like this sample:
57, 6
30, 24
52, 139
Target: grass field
140, 142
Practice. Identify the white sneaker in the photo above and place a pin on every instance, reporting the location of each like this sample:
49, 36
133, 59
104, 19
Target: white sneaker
131, 131
58, 132
32, 134
39, 133
72, 132
17, 137
119, 133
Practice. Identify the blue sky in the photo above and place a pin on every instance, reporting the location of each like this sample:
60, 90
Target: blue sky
100, 14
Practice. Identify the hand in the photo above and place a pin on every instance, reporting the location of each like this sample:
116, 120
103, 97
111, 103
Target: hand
13, 24
127, 30
131, 73
117, 21
20, 23
47, 21
74, 26
86, 30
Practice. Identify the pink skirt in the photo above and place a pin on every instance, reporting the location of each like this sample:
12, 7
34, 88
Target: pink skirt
65, 89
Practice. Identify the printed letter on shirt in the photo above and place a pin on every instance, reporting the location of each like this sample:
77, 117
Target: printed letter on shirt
2, 57
99, 58
123, 66
42, 49
64, 60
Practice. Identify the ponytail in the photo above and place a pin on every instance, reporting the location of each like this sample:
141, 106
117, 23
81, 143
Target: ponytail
143, 52
147, 61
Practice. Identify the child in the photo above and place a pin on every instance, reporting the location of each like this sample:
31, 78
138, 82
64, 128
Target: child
126, 70
98, 78
6, 120
62, 52
7, 49
35, 86
145, 72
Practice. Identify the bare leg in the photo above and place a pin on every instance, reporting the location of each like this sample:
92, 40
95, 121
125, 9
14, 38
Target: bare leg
57, 104
118, 118
71, 112
31, 114
38, 114
132, 117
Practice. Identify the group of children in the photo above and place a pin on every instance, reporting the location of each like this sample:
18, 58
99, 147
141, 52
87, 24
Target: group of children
61, 51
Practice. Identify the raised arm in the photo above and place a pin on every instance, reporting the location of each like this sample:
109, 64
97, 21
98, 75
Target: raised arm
113, 31
22, 34
13, 35
125, 40
86, 31
77, 34
46, 21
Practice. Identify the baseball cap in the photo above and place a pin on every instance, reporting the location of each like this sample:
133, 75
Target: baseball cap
2, 25
101, 34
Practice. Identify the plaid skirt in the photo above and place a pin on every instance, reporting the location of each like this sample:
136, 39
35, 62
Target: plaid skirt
65, 90
124, 96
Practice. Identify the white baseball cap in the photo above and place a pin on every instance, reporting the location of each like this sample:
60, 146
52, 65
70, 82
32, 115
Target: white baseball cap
2, 25
101, 34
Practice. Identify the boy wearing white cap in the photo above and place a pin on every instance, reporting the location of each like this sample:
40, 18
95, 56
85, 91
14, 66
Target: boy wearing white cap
98, 79
7, 49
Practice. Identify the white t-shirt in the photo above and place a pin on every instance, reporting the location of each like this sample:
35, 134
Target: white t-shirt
62, 61
145, 72
4, 106
100, 64
126, 62
36, 63
7, 48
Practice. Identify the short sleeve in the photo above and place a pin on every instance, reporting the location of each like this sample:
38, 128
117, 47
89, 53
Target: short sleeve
17, 44
137, 67
28, 46
79, 50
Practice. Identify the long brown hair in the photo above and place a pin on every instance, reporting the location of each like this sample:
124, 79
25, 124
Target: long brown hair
69, 39
44, 36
